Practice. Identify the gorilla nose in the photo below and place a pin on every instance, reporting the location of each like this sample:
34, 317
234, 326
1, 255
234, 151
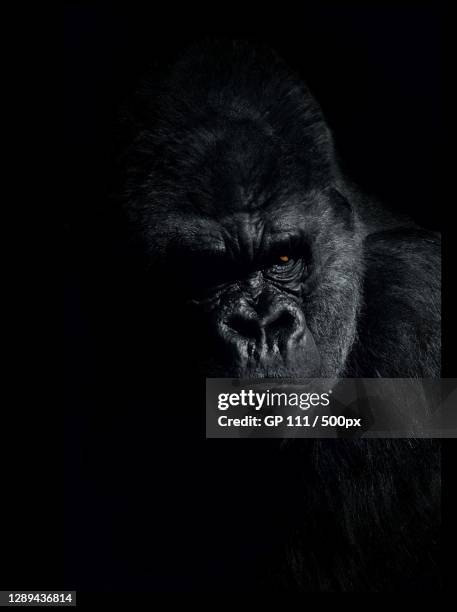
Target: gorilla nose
247, 324
253, 340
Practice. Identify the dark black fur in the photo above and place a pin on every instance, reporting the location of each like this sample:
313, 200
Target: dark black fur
228, 133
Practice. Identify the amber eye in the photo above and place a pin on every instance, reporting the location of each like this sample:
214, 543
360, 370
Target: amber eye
284, 258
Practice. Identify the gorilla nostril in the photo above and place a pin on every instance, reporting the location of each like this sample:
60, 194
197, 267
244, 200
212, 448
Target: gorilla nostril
282, 324
245, 326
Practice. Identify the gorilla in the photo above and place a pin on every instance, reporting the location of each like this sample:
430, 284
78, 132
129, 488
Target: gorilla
283, 267
259, 258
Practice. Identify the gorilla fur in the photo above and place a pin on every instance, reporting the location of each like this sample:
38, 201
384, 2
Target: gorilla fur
228, 131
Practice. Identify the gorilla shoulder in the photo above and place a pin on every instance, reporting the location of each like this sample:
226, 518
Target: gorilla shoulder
399, 328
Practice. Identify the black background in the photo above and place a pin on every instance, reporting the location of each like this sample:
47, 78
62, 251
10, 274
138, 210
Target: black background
377, 72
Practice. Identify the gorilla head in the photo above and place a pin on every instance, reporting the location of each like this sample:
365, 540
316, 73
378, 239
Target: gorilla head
235, 189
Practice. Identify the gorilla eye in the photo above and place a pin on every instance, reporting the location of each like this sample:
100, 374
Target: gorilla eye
285, 268
284, 261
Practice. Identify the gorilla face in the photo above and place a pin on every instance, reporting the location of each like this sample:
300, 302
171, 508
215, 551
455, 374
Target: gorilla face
266, 299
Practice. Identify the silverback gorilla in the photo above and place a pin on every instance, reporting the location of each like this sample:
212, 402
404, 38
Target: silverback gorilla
267, 262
